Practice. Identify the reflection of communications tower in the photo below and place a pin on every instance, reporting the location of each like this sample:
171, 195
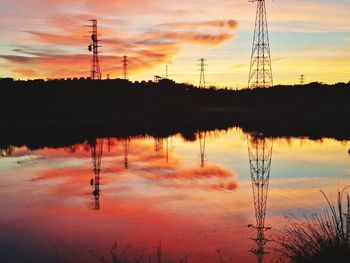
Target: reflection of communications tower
126, 145
93, 47
125, 67
260, 74
158, 144
96, 155
202, 69
202, 136
260, 153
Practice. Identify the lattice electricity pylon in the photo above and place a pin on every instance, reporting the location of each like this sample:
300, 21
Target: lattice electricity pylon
158, 144
96, 155
260, 154
125, 67
302, 79
126, 145
95, 72
202, 69
202, 136
260, 73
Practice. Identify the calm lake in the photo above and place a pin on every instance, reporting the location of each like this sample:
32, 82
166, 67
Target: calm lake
166, 197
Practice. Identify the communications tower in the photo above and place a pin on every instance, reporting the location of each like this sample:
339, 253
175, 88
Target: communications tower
260, 73
95, 72
260, 154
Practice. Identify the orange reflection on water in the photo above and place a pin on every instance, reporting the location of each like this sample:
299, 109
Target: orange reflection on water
162, 196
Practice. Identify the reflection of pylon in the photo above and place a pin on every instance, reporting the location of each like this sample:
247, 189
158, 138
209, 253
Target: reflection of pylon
96, 156
167, 149
260, 154
202, 66
158, 144
125, 67
126, 145
202, 140
93, 47
260, 74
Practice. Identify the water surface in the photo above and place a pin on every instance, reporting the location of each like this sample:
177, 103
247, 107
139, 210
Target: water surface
189, 199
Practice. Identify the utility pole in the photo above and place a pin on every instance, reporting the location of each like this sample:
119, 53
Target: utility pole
260, 73
95, 72
202, 66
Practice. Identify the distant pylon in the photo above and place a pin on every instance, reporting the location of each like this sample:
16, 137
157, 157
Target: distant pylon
125, 67
202, 66
260, 155
95, 73
166, 71
302, 79
260, 73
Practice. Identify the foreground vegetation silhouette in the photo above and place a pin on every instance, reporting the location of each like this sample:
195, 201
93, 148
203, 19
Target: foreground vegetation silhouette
321, 238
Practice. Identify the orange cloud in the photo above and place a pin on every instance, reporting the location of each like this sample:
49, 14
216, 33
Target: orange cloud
229, 24
192, 37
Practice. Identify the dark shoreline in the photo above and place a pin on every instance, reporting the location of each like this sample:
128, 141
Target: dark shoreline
61, 113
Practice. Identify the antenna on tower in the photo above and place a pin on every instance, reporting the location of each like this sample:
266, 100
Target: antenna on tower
302, 79
202, 66
95, 72
125, 67
260, 154
260, 73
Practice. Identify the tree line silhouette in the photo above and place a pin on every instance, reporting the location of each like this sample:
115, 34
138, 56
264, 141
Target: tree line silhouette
119, 107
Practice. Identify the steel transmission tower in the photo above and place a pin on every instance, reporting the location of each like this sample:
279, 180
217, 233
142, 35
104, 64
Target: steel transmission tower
95, 73
260, 154
96, 150
202, 66
302, 79
125, 67
260, 73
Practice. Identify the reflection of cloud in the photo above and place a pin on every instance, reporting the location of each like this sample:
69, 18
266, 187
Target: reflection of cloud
144, 163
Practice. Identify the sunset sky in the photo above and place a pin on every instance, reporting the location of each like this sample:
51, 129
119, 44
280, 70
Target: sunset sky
45, 39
